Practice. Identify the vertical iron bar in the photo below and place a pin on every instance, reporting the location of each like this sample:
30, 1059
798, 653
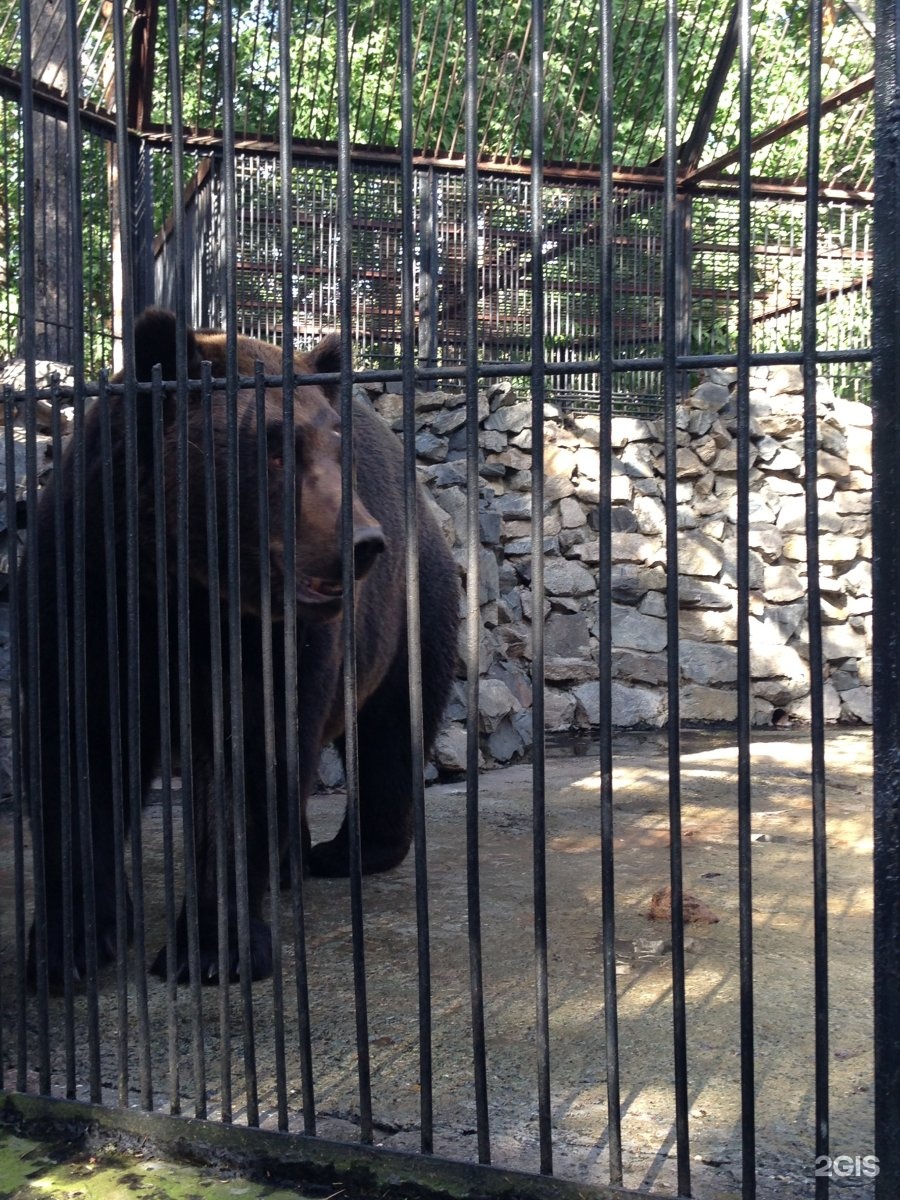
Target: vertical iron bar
32, 633
473, 613
182, 568
65, 747
413, 611
268, 682
744, 690
345, 185
76, 315
290, 510
218, 801
16, 764
83, 789
604, 584
165, 730
186, 700
285, 129
814, 617
114, 678
670, 391
886, 594
538, 391
134, 797
232, 520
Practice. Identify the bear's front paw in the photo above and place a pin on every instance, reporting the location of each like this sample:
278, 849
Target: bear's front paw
106, 929
260, 957
332, 859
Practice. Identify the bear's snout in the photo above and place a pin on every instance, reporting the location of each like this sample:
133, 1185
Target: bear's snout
367, 545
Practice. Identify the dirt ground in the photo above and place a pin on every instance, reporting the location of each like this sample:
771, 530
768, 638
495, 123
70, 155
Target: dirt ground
783, 947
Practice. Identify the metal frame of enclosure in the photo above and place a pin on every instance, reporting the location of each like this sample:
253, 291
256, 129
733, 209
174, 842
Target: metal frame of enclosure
32, 1063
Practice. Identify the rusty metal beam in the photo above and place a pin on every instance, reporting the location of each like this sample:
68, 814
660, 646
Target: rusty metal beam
692, 150
775, 133
209, 141
822, 295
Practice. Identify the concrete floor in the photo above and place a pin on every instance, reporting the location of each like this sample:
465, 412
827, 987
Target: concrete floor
783, 942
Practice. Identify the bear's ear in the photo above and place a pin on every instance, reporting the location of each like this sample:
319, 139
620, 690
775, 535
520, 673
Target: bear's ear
155, 334
323, 359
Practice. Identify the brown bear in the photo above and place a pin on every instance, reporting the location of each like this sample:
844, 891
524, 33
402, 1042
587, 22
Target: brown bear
382, 682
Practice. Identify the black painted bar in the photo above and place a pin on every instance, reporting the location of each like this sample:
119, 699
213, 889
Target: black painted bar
499, 370
182, 584
886, 592
814, 610
161, 536
114, 677
744, 685
538, 805
186, 700
268, 678
125, 199
74, 148
290, 510
262, 467
604, 602
219, 801
65, 752
31, 685
351, 746
670, 395
473, 614
16, 766
233, 568
82, 786
413, 611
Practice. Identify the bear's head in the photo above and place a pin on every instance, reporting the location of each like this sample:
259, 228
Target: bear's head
250, 436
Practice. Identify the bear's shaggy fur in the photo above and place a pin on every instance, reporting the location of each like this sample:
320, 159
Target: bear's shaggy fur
382, 700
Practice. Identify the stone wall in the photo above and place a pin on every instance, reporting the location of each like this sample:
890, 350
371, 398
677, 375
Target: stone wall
707, 506
706, 484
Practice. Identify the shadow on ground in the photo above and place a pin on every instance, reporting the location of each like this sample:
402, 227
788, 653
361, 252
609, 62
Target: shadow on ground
783, 975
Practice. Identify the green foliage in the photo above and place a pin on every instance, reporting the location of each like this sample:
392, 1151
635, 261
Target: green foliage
571, 76
572, 100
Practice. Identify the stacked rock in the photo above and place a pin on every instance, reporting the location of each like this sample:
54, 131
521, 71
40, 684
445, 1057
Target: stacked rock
707, 507
707, 510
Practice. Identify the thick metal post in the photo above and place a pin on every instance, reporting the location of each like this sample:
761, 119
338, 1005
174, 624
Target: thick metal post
670, 384
744, 690
809, 340
886, 596
604, 601
351, 743
473, 614
413, 608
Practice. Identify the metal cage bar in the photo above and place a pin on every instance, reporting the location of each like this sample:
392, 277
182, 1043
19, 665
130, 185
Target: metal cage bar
886, 570
673, 725
745, 698
816, 662
351, 745
503, 264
